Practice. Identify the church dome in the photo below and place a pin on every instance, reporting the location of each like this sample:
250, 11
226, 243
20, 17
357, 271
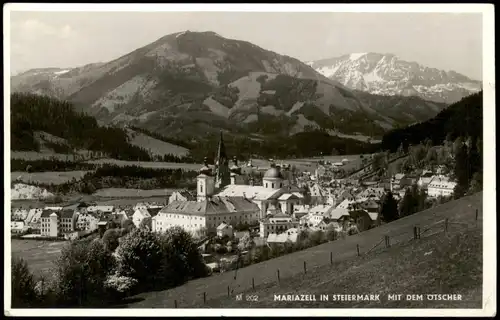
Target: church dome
273, 173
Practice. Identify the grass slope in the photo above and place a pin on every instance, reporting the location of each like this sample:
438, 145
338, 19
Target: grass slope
155, 146
291, 266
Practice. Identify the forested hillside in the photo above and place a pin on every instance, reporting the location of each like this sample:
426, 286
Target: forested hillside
462, 119
31, 113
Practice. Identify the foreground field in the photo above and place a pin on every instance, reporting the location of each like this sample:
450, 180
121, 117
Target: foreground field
291, 266
48, 177
40, 255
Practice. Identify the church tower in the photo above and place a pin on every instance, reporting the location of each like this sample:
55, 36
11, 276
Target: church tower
205, 183
222, 173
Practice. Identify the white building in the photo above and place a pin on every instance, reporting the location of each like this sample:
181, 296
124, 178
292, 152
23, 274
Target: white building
440, 186
86, 221
291, 235
17, 226
103, 209
195, 215
277, 224
424, 180
54, 223
224, 230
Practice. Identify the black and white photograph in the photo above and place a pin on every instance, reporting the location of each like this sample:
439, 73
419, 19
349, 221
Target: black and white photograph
257, 159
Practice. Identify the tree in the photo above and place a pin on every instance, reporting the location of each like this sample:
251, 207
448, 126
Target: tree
127, 226
146, 223
110, 239
461, 170
81, 271
401, 150
22, 284
476, 184
181, 256
406, 204
139, 256
331, 233
316, 237
246, 242
389, 208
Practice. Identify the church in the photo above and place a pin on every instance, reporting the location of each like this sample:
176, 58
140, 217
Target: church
223, 195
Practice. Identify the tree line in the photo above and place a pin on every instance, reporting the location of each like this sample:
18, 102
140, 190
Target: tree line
133, 177
31, 112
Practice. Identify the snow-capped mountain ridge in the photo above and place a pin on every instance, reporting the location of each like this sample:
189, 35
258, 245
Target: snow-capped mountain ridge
387, 74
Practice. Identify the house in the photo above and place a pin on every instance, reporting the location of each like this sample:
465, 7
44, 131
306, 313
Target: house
19, 214
54, 223
101, 209
347, 204
369, 205
182, 195
289, 236
424, 180
33, 219
139, 215
440, 186
224, 230
316, 194
371, 193
86, 221
277, 223
300, 211
338, 215
396, 181
364, 219
17, 226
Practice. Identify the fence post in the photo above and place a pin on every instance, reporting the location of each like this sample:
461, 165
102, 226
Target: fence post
357, 248
415, 233
175, 304
204, 297
477, 214
228, 294
446, 225
253, 283
331, 258
305, 268
278, 274
418, 232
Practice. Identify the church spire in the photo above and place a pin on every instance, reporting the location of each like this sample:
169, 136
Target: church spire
222, 175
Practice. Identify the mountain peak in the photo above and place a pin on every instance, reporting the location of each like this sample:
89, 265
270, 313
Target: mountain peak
388, 74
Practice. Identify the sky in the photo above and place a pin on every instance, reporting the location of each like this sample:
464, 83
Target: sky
447, 41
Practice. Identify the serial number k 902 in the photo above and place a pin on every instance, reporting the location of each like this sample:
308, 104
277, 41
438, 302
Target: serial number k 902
247, 297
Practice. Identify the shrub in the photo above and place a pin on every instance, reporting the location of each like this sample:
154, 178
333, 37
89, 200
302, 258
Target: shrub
23, 285
119, 286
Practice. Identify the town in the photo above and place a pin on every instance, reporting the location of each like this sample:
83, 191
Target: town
230, 206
